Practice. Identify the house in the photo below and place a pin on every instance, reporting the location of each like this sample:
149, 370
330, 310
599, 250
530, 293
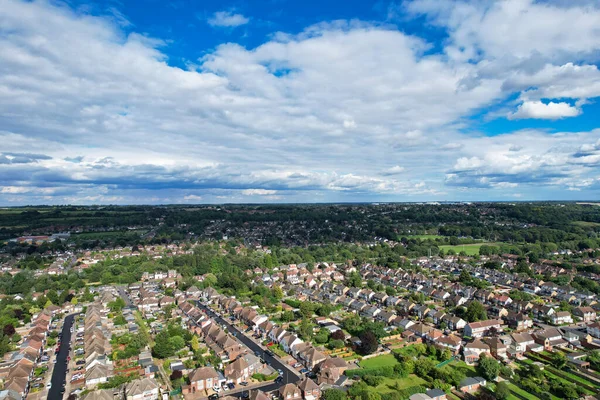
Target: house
237, 371
436, 394
471, 384
98, 373
561, 318
550, 338
519, 343
105, 394
257, 394
290, 392
473, 351
518, 321
454, 323
330, 370
594, 330
450, 342
497, 347
203, 378
481, 328
309, 389
142, 389
586, 314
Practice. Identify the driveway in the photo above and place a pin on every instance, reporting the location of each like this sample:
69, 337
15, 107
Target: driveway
59, 373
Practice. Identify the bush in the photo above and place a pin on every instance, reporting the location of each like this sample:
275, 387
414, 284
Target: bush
386, 371
373, 380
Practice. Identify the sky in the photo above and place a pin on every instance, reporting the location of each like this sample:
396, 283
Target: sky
193, 101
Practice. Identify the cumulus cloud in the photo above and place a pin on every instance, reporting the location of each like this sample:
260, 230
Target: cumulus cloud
325, 113
540, 110
395, 170
227, 19
258, 192
192, 197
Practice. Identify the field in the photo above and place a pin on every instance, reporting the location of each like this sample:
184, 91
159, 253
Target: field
586, 224
393, 384
423, 237
379, 361
470, 249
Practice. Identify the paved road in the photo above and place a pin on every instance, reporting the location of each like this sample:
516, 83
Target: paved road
288, 375
59, 374
125, 296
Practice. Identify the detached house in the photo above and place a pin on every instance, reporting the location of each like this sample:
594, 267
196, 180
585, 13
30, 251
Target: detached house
481, 328
586, 314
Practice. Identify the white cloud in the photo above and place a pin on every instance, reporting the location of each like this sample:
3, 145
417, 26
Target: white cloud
192, 197
258, 192
395, 170
539, 110
227, 19
326, 113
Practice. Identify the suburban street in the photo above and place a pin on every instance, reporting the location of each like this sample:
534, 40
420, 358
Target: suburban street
125, 297
289, 376
60, 368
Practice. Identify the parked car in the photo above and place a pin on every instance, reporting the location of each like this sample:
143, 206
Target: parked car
280, 372
244, 383
231, 385
216, 388
279, 379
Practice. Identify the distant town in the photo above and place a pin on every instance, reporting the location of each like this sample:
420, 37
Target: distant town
428, 301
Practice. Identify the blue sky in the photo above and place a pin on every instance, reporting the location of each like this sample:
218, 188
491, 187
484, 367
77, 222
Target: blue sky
283, 101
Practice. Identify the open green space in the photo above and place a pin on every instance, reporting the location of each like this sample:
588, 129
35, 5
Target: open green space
586, 224
393, 384
379, 361
423, 237
471, 249
520, 392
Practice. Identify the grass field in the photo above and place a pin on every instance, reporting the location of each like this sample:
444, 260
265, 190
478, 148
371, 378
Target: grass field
586, 224
470, 249
423, 237
514, 388
379, 361
393, 384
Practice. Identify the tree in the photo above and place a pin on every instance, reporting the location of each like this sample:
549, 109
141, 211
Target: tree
163, 347
194, 343
488, 367
338, 335
559, 360
424, 366
305, 330
369, 343
9, 330
333, 394
502, 391
354, 280
475, 312
322, 336
74, 301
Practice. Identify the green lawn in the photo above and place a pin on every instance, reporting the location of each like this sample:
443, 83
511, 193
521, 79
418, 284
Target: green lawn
471, 249
586, 224
379, 361
389, 384
422, 237
514, 388
468, 370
